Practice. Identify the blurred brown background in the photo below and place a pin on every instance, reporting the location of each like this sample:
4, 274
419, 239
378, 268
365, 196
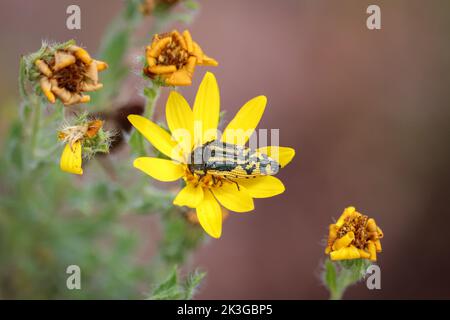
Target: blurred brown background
367, 111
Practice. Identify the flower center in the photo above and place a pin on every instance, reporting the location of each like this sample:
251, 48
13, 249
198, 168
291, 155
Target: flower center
358, 225
71, 77
173, 54
205, 181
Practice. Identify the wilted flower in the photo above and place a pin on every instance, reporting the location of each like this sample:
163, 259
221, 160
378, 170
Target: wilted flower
67, 72
193, 128
172, 58
354, 236
83, 140
147, 6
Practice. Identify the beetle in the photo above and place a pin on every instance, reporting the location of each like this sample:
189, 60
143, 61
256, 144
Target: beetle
230, 161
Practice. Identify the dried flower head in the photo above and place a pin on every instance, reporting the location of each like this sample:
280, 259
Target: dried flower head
66, 71
83, 140
354, 236
148, 6
172, 58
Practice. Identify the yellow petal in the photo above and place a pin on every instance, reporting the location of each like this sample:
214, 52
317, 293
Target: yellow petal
378, 245
157, 69
157, 136
190, 65
262, 187
47, 89
283, 155
246, 120
364, 254
62, 93
62, 60
179, 78
81, 54
208, 61
344, 241
180, 120
178, 38
101, 65
71, 158
206, 110
372, 250
233, 199
43, 68
346, 253
160, 169
188, 38
371, 225
198, 52
347, 212
158, 46
209, 215
189, 196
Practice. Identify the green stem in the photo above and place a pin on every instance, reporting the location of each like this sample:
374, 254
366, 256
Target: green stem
35, 125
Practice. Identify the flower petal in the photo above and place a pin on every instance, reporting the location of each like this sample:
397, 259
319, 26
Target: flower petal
233, 199
209, 215
189, 196
246, 120
206, 110
180, 120
157, 136
160, 169
71, 158
263, 187
283, 155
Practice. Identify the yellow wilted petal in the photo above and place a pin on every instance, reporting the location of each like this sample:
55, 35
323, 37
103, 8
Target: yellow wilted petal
157, 69
372, 250
160, 169
179, 78
62, 60
180, 120
157, 136
233, 199
246, 120
206, 110
344, 241
347, 212
188, 38
189, 196
71, 159
81, 54
263, 187
283, 155
208, 61
209, 215
346, 253
47, 89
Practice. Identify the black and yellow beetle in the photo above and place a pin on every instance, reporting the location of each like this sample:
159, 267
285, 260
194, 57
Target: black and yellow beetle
230, 161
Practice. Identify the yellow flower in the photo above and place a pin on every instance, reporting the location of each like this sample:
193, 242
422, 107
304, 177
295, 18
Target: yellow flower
173, 58
76, 137
354, 236
67, 73
191, 128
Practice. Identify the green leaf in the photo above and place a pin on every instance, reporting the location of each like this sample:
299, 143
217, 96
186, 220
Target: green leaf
330, 275
174, 288
168, 289
192, 283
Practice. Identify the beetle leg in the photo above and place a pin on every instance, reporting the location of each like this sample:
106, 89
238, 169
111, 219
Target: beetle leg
237, 185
